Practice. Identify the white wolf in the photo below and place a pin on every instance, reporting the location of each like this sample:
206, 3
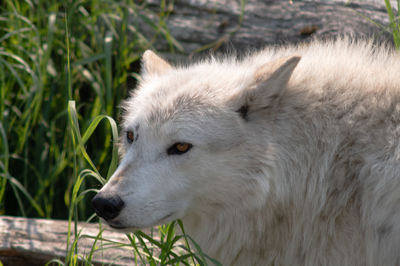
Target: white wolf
290, 156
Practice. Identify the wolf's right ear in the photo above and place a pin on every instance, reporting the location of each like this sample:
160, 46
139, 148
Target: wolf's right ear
154, 64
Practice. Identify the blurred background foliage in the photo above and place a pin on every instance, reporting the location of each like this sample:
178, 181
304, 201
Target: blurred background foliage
53, 52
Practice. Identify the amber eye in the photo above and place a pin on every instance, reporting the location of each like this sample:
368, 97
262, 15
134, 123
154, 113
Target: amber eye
179, 148
182, 147
130, 136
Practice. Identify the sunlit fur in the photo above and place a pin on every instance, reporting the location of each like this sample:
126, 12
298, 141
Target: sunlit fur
311, 174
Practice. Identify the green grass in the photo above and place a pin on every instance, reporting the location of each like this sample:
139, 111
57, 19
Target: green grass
35, 89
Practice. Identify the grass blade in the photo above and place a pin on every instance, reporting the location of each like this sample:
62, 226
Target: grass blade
5, 157
393, 23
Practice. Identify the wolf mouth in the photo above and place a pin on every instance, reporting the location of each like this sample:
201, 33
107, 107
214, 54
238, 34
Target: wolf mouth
118, 226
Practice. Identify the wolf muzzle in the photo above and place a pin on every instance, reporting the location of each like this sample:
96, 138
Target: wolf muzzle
107, 207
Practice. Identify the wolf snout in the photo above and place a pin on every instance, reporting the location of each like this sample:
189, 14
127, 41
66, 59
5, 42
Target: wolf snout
107, 207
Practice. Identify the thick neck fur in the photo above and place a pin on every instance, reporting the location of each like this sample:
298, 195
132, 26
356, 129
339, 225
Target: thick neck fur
316, 206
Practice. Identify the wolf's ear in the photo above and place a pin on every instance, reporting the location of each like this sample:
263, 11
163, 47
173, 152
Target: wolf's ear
269, 82
277, 71
154, 64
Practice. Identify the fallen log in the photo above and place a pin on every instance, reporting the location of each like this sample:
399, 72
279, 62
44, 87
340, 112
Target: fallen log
198, 25
27, 241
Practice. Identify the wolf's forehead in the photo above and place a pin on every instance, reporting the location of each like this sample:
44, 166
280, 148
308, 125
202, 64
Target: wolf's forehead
155, 109
177, 108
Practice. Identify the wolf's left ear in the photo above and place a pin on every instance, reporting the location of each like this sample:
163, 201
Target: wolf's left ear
269, 82
154, 64
278, 71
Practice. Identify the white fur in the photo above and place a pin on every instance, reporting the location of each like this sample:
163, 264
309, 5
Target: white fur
310, 177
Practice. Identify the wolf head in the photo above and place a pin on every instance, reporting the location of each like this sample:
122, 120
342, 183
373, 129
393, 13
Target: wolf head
192, 141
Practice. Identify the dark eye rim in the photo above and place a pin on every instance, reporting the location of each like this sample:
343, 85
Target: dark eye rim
173, 150
130, 136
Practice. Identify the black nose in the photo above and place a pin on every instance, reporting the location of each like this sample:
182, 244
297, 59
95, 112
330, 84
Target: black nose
107, 207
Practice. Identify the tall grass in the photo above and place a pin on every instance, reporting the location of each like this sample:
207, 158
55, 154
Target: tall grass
53, 52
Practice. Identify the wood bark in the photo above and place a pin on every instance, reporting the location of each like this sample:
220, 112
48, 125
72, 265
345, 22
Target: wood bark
27, 241
197, 24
